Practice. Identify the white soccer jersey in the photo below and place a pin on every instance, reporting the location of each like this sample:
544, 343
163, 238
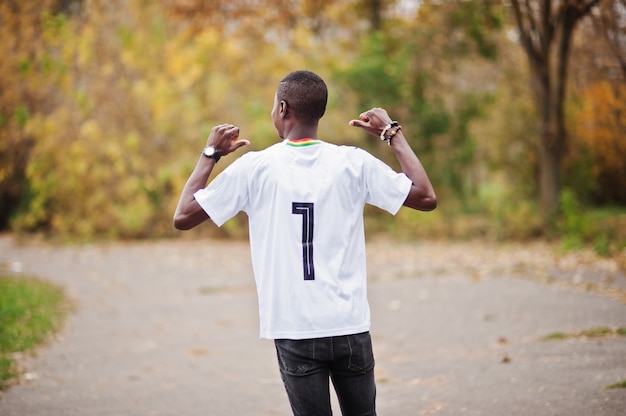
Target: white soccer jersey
305, 200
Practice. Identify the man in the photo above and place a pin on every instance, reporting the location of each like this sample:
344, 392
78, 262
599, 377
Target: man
304, 199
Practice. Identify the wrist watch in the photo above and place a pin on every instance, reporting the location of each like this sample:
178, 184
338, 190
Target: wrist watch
211, 153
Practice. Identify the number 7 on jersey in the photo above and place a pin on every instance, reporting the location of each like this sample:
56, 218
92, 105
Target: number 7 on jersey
306, 210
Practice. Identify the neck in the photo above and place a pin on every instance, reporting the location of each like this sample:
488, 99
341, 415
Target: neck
301, 132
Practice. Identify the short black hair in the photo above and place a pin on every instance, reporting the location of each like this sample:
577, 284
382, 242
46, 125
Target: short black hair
305, 93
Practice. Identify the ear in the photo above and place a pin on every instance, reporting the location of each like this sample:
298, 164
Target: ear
283, 109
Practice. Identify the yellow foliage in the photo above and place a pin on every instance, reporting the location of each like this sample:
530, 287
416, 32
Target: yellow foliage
600, 124
114, 105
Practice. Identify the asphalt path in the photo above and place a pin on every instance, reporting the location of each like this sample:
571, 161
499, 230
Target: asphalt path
171, 328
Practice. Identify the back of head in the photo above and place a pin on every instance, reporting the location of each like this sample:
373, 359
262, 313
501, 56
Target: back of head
306, 95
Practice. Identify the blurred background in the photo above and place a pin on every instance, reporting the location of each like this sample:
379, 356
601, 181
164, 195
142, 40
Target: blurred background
517, 108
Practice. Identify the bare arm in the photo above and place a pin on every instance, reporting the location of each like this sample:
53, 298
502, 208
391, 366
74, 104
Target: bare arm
422, 195
225, 139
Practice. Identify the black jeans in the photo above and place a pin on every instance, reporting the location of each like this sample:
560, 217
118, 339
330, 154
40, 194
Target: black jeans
306, 365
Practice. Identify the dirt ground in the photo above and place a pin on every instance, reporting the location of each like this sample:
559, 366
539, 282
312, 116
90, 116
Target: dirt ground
171, 328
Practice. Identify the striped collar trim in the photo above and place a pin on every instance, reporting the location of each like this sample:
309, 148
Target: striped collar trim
307, 141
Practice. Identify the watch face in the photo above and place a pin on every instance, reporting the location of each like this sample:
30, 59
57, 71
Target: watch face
210, 151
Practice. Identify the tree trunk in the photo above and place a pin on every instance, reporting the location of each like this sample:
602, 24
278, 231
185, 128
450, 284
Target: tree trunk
541, 26
550, 153
375, 12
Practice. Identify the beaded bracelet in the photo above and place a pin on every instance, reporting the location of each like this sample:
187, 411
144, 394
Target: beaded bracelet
394, 127
392, 133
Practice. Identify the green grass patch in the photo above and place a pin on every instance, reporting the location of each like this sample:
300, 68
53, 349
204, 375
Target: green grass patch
619, 385
600, 332
555, 335
30, 311
602, 229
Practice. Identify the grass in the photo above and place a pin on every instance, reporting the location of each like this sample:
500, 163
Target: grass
600, 332
619, 385
30, 311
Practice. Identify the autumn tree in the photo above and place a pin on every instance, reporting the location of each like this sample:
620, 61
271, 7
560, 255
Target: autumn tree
546, 30
133, 88
24, 67
104, 105
595, 164
21, 95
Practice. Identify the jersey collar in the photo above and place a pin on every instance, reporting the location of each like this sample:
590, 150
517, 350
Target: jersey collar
306, 141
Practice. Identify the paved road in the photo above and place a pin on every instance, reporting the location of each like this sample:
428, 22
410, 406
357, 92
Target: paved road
170, 328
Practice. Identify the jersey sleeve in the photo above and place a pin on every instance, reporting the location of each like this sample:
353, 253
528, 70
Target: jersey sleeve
226, 194
386, 188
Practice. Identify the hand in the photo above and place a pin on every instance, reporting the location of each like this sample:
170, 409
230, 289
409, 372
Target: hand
372, 121
225, 139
